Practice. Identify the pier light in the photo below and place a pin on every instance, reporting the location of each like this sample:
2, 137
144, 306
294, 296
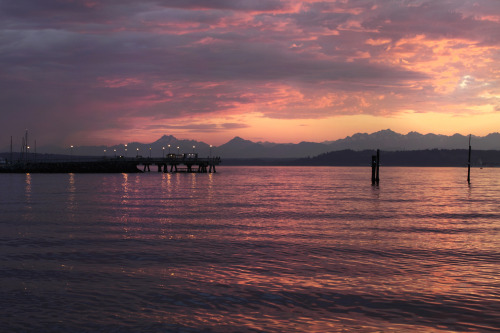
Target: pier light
137, 152
149, 152
163, 152
169, 149
115, 152
210, 151
178, 150
71, 152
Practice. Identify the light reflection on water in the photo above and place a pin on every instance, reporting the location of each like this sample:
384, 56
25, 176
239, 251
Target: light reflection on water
251, 249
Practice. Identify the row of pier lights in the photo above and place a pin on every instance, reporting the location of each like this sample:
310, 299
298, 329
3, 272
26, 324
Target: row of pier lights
150, 149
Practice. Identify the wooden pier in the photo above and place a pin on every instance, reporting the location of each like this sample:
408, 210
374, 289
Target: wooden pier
189, 163
180, 163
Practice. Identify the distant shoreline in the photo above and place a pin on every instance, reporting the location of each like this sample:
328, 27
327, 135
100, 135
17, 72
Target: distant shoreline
419, 158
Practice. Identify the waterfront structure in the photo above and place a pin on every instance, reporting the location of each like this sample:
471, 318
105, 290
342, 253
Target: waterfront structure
190, 163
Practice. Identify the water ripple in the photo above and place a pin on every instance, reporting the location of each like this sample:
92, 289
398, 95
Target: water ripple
251, 250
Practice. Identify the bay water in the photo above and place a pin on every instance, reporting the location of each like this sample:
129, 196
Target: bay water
251, 249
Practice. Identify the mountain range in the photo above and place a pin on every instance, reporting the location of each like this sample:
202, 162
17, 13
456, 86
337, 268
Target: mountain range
386, 140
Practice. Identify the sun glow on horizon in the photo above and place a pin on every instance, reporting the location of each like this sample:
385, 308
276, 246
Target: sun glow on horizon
261, 129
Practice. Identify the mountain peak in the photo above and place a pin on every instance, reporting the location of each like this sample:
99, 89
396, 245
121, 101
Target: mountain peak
386, 132
166, 139
239, 140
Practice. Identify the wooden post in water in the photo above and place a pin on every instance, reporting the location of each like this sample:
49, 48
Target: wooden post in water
375, 167
468, 163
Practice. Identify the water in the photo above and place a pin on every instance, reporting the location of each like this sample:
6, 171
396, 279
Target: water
251, 250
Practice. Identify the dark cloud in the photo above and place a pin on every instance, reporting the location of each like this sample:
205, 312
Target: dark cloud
243, 5
435, 19
206, 128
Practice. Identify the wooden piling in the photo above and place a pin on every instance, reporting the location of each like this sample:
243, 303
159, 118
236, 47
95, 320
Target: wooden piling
468, 163
376, 167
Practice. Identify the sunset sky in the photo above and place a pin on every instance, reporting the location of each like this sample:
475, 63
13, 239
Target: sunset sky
114, 71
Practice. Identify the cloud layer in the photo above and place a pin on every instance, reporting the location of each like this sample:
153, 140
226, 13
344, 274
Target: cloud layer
94, 69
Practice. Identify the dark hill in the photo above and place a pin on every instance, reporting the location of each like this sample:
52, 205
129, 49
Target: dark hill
428, 157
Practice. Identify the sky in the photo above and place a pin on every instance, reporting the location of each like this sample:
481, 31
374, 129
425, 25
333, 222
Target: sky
85, 72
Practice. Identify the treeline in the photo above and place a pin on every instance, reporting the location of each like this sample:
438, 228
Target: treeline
429, 157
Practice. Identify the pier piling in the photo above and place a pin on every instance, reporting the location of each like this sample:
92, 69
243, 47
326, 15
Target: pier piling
375, 168
468, 163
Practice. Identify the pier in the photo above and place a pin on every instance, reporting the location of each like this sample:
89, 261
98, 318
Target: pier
188, 163
180, 163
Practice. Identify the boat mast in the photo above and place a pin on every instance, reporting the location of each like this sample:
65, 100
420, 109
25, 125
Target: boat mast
26, 147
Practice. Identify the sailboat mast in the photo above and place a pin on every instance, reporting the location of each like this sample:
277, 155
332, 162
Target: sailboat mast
26, 147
